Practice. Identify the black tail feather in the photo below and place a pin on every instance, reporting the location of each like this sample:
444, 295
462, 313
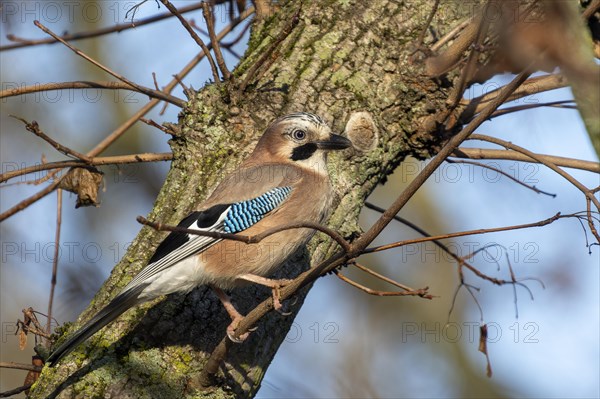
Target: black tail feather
110, 312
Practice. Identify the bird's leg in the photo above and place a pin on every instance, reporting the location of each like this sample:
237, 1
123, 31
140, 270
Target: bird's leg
275, 286
236, 316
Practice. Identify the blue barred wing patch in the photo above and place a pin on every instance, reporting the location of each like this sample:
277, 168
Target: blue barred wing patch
244, 214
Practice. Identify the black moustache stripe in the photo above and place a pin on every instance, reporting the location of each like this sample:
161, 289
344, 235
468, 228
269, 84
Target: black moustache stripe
305, 151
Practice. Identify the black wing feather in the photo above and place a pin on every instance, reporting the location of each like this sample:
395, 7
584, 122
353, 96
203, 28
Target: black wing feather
175, 240
173, 248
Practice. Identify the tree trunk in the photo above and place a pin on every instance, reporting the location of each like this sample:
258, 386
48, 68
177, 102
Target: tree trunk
341, 57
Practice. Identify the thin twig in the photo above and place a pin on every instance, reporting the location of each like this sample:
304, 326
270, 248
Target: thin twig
54, 260
450, 35
591, 9
420, 292
530, 87
15, 391
249, 239
590, 221
466, 233
221, 45
34, 128
434, 8
484, 153
20, 366
503, 173
133, 10
586, 191
11, 92
414, 227
469, 69
285, 32
194, 36
28, 201
210, 25
461, 261
381, 276
93, 33
239, 37
443, 62
152, 123
554, 104
155, 81
97, 161
146, 90
48, 176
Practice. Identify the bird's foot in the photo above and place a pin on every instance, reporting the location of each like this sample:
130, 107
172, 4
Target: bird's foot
236, 317
231, 331
275, 286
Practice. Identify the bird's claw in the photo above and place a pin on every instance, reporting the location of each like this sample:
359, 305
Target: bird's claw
231, 332
277, 295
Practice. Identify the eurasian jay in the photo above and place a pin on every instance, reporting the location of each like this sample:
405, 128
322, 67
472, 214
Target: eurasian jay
283, 181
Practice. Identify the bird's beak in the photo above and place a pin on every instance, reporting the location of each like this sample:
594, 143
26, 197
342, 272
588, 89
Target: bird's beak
335, 142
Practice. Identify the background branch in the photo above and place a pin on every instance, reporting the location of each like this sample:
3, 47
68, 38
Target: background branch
20, 42
484, 153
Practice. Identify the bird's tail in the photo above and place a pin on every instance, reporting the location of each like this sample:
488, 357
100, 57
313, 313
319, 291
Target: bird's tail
114, 309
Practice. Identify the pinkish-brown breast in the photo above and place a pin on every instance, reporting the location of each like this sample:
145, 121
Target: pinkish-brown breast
308, 202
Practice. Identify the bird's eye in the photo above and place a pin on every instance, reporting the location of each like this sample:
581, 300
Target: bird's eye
299, 135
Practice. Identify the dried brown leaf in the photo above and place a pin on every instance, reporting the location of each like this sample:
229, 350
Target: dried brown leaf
84, 182
22, 339
483, 335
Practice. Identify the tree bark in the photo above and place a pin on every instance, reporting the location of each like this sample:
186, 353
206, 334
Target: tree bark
341, 57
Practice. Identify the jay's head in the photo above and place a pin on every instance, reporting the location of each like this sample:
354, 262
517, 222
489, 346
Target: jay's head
301, 138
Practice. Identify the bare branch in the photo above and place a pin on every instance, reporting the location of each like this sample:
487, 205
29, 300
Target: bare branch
196, 38
236, 39
249, 239
210, 25
74, 85
28, 201
112, 160
434, 8
484, 153
267, 53
382, 277
554, 104
94, 33
146, 90
20, 366
441, 63
503, 173
591, 9
530, 87
545, 162
461, 261
469, 70
15, 391
420, 292
448, 149
54, 260
451, 35
34, 128
466, 233
590, 221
